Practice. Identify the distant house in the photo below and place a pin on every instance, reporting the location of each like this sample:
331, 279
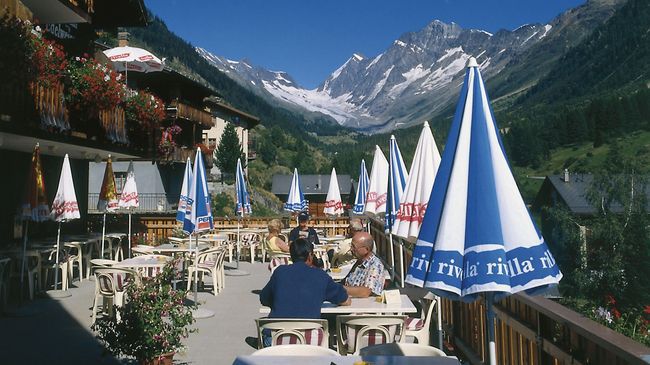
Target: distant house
569, 191
314, 188
222, 114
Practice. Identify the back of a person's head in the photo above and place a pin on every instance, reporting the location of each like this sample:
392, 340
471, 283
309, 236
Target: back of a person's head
300, 250
275, 225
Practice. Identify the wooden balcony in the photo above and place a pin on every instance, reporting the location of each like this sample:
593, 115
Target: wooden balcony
178, 109
181, 154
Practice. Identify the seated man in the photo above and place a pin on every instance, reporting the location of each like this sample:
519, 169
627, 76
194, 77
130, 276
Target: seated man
344, 254
367, 274
299, 290
303, 230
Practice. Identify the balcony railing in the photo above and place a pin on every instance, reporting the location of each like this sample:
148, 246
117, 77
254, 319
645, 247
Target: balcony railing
149, 203
178, 109
181, 154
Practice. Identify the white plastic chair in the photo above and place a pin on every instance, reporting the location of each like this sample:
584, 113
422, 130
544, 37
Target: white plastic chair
401, 349
142, 250
63, 265
420, 327
110, 284
293, 331
76, 256
295, 350
209, 262
355, 332
4, 281
249, 241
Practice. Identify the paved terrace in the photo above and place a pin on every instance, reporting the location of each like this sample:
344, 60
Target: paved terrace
58, 331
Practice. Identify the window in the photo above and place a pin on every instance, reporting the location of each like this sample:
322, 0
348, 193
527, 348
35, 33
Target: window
120, 180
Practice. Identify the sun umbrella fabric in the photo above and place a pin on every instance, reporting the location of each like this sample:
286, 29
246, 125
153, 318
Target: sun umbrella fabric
397, 176
477, 235
134, 59
129, 197
182, 201
65, 207
422, 174
35, 207
362, 190
296, 201
243, 199
198, 216
108, 201
333, 203
376, 198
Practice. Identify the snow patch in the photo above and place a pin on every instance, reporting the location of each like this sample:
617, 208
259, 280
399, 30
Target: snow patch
253, 82
411, 76
399, 43
503, 50
374, 61
443, 75
527, 39
450, 52
379, 85
357, 57
547, 27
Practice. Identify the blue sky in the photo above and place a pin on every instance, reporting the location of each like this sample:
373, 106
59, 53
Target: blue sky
310, 39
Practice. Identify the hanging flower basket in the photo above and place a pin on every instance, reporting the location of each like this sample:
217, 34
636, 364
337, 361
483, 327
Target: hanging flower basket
145, 108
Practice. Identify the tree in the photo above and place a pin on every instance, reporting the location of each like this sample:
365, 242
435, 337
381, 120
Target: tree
228, 151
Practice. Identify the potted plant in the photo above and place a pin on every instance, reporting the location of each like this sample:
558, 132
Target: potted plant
146, 108
153, 321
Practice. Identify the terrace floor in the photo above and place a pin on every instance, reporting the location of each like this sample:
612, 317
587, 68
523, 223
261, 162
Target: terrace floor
58, 331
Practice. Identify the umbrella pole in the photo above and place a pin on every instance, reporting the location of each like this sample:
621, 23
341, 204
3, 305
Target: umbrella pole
439, 320
238, 241
103, 236
489, 297
58, 241
392, 256
401, 265
196, 269
22, 268
129, 242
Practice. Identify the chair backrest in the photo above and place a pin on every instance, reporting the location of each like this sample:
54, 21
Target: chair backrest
278, 260
250, 237
141, 250
291, 331
358, 331
295, 350
428, 303
114, 279
213, 256
401, 349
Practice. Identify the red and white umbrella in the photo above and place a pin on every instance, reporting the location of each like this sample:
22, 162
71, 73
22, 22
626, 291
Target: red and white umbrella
376, 198
64, 206
108, 201
416, 194
134, 59
333, 202
129, 197
35, 206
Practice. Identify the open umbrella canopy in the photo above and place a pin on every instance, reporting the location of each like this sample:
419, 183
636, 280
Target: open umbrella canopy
134, 59
413, 202
243, 198
35, 206
397, 176
362, 190
296, 200
129, 196
198, 216
182, 201
65, 207
376, 198
477, 235
333, 202
108, 200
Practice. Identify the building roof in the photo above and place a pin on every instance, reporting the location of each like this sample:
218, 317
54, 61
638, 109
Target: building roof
311, 184
574, 193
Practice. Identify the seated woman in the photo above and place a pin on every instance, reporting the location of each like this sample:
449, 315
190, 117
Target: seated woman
273, 243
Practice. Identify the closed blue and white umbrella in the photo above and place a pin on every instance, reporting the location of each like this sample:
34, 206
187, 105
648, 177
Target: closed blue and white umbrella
397, 175
477, 235
182, 201
243, 198
362, 189
198, 216
296, 200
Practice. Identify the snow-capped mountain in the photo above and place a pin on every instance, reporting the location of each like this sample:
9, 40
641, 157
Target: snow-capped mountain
417, 77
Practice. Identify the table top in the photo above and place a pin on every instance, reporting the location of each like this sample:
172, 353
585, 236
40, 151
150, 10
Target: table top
143, 261
180, 247
344, 360
363, 305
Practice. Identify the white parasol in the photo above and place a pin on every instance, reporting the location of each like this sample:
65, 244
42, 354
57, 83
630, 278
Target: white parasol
129, 197
64, 206
127, 59
376, 199
333, 203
